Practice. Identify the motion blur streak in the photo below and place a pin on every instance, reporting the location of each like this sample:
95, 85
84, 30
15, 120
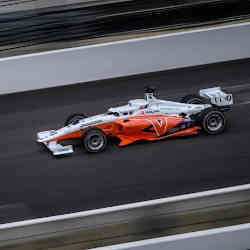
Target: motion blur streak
63, 24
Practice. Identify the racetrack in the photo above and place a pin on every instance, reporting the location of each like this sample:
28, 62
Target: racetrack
33, 183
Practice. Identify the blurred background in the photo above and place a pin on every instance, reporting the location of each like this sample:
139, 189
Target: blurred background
28, 26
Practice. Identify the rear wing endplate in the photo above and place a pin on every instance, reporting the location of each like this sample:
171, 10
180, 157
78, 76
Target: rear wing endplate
217, 96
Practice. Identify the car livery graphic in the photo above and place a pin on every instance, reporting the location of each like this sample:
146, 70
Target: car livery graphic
143, 119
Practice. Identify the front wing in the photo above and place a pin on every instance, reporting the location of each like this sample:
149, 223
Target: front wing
53, 146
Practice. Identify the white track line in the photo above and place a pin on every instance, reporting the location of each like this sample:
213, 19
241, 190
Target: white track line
242, 103
238, 86
124, 207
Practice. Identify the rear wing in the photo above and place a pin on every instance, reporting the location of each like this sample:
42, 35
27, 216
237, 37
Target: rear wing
217, 96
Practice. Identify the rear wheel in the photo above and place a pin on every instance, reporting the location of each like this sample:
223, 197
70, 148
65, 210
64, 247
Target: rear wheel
212, 121
94, 140
193, 99
74, 119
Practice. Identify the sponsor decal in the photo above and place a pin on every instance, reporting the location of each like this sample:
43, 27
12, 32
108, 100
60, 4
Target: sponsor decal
173, 130
181, 126
158, 126
229, 98
159, 121
150, 111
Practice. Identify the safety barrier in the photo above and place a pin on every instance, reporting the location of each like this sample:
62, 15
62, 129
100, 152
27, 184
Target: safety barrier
228, 238
123, 58
135, 221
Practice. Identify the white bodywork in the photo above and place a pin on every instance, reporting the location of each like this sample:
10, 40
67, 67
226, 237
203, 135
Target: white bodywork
217, 96
149, 105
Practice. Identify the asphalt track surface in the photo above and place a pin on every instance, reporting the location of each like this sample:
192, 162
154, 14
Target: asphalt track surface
33, 183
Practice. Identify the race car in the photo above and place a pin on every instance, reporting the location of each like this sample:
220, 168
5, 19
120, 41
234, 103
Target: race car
143, 119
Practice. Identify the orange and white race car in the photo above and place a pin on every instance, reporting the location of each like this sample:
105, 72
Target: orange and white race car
143, 119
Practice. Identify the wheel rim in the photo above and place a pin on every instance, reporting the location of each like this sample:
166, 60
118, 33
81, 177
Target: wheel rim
95, 142
215, 122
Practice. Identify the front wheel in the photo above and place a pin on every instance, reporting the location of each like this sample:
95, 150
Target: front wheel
193, 99
94, 140
212, 121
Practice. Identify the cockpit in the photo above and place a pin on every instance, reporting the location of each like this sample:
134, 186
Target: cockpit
129, 109
121, 111
135, 105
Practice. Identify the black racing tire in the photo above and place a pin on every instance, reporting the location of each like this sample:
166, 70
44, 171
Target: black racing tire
193, 99
74, 118
94, 140
212, 121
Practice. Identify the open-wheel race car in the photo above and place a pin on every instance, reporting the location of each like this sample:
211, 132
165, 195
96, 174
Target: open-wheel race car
143, 119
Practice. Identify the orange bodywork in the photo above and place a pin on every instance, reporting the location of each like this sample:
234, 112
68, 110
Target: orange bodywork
144, 127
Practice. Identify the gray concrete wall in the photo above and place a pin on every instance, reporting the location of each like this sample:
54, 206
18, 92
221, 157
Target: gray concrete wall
230, 238
123, 58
